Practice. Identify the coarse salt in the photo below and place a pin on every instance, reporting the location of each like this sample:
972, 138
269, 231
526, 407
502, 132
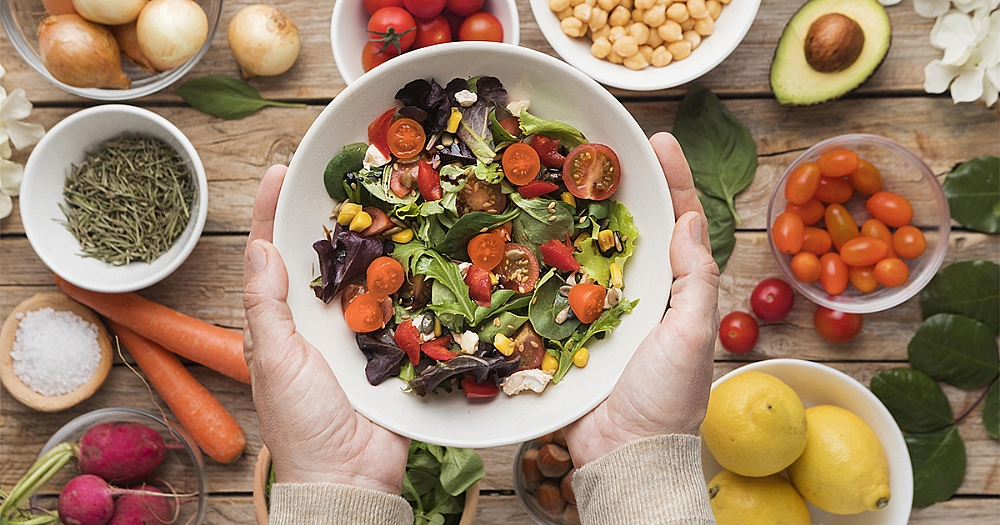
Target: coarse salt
55, 352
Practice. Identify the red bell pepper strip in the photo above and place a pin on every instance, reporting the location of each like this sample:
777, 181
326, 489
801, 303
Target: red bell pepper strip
378, 131
474, 390
408, 338
428, 182
536, 188
558, 256
438, 349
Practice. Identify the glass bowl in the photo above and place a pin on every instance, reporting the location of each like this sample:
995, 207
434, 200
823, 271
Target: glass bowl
524, 489
20, 21
903, 173
183, 466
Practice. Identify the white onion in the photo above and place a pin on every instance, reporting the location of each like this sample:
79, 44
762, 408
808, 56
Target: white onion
80, 53
264, 41
171, 31
111, 12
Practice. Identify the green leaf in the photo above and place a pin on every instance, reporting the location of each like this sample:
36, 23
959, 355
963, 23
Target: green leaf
507, 320
498, 304
461, 469
955, 349
721, 229
973, 191
970, 288
429, 263
597, 266
531, 125
546, 304
620, 220
474, 131
468, 226
437, 451
605, 324
226, 97
991, 411
347, 161
718, 147
533, 227
913, 398
938, 460
500, 135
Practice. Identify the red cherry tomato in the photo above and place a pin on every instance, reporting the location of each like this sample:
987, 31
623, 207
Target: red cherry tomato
811, 212
529, 347
587, 301
520, 163
364, 314
480, 196
875, 228
802, 183
464, 7
519, 269
836, 327
486, 250
548, 151
771, 300
866, 179
424, 8
374, 5
378, 131
481, 26
408, 338
833, 274
558, 256
428, 182
480, 287
840, 224
371, 57
837, 163
816, 241
384, 277
393, 26
437, 349
834, 190
454, 23
894, 210
738, 332
863, 251
536, 188
863, 278
484, 390
909, 242
592, 171
891, 272
805, 267
787, 233
432, 31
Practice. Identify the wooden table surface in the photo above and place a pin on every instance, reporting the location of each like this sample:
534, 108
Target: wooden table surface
209, 285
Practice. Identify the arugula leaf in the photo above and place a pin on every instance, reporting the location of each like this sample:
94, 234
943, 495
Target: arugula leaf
461, 468
597, 266
970, 288
532, 125
546, 303
913, 398
533, 227
721, 229
429, 263
938, 460
226, 97
973, 191
991, 411
607, 322
955, 349
468, 226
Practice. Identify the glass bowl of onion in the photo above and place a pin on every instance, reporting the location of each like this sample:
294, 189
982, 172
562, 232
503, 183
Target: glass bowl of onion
111, 49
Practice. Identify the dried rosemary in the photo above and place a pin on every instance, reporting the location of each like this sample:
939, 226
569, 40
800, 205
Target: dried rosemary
129, 200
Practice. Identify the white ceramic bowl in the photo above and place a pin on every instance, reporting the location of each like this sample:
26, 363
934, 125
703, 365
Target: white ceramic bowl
818, 384
730, 28
42, 192
556, 91
349, 32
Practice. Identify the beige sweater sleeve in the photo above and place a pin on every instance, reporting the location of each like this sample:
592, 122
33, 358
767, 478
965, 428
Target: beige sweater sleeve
653, 481
333, 504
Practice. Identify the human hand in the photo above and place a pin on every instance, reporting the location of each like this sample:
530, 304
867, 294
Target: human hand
665, 386
306, 420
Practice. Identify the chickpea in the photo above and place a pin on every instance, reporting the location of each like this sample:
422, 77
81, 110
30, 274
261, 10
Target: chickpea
564, 14
640, 32
619, 17
654, 40
558, 5
572, 27
627, 4
609, 5
601, 48
637, 14
725, 2
637, 62
655, 16
598, 19
582, 12
694, 38
696, 8
646, 51
678, 13
602, 32
616, 33
704, 26
680, 49
670, 31
574, 3
591, 3
688, 24
664, 3
625, 46
660, 57
615, 58
644, 4
714, 8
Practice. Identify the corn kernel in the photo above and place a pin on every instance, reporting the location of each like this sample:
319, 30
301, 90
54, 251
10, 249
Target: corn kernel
714, 8
616, 276
636, 62
619, 16
581, 357
453, 120
697, 8
640, 32
661, 57
361, 222
656, 16
625, 46
402, 236
558, 5
608, 5
504, 344
704, 26
606, 239
568, 198
578, 242
598, 19
347, 213
670, 31
694, 38
550, 363
494, 279
437, 327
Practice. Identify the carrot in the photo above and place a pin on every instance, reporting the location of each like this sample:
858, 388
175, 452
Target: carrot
206, 344
212, 426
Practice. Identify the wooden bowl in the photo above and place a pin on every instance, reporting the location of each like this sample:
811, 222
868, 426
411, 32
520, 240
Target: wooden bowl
262, 470
21, 391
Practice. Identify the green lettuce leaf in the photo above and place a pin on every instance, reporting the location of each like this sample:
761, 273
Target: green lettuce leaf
605, 324
531, 125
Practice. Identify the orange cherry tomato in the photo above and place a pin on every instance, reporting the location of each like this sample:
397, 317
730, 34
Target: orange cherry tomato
805, 266
587, 301
877, 229
866, 179
406, 138
837, 163
909, 242
802, 183
811, 212
863, 278
787, 233
894, 210
816, 240
384, 277
891, 272
840, 224
364, 314
520, 163
863, 251
486, 250
833, 273
834, 190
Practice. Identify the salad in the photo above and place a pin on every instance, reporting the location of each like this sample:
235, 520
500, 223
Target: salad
476, 246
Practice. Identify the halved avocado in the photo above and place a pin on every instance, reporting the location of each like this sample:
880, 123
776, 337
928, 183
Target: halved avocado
829, 48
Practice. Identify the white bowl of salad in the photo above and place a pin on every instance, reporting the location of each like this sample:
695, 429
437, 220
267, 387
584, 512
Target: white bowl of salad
477, 241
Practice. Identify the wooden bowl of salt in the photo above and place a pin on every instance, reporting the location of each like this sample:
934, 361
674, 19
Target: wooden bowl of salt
64, 342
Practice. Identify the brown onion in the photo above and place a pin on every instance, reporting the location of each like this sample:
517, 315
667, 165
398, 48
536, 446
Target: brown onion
128, 41
80, 53
110, 12
59, 7
264, 41
171, 31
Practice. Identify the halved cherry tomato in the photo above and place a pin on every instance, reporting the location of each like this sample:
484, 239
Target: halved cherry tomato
536, 188
408, 338
548, 151
529, 347
520, 163
375, 54
891, 272
406, 138
866, 179
364, 314
592, 171
484, 390
802, 183
816, 240
863, 251
378, 131
834, 190
837, 163
486, 250
393, 27
587, 301
840, 224
429, 182
805, 266
833, 274
894, 210
380, 221
836, 327
437, 349
403, 178
480, 196
909, 242
877, 229
811, 212
504, 230
480, 288
350, 292
519, 269
512, 125
738, 332
863, 278
787, 233
385, 275
558, 256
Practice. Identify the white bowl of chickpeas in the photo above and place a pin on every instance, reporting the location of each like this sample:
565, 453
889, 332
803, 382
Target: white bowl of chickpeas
644, 45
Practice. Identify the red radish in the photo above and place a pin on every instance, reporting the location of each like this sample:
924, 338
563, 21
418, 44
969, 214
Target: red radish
141, 509
121, 453
86, 500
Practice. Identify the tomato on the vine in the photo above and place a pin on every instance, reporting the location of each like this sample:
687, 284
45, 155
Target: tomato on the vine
840, 224
837, 163
393, 27
894, 210
834, 274
374, 5
375, 54
548, 151
891, 272
834, 190
464, 7
384, 277
836, 327
811, 212
738, 332
431, 31
587, 301
486, 250
424, 8
364, 314
909, 242
520, 163
863, 278
518, 270
481, 26
478, 195
787, 233
805, 267
802, 183
772, 299
866, 179
863, 251
592, 171
406, 138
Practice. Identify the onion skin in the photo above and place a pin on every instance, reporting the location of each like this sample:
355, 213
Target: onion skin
59, 7
80, 53
110, 12
264, 41
171, 32
128, 41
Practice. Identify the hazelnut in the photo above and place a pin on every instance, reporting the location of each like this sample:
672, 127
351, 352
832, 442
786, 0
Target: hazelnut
833, 43
566, 486
553, 461
550, 498
571, 515
559, 438
529, 466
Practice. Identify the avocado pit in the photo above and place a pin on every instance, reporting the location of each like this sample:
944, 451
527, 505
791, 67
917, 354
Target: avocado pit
833, 43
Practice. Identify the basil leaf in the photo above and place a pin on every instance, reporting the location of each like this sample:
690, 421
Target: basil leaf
226, 97
938, 460
460, 469
973, 191
533, 227
347, 161
718, 147
991, 411
955, 349
532, 125
913, 398
970, 288
546, 305
721, 229
468, 226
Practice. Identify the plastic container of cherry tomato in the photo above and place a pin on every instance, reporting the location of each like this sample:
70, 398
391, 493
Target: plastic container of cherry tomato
903, 173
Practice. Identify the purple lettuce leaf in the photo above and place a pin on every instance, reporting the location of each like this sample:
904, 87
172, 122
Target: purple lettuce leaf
343, 257
382, 353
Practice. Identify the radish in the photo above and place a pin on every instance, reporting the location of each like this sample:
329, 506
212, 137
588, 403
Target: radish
86, 500
121, 453
138, 509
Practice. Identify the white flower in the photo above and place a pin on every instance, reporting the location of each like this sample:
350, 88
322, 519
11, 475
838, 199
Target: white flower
10, 180
968, 82
971, 45
889, 2
13, 109
931, 8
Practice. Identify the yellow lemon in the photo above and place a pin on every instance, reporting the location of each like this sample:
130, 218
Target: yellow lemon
843, 469
755, 425
771, 500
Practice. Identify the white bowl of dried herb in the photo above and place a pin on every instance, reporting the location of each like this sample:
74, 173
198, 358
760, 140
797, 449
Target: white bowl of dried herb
114, 198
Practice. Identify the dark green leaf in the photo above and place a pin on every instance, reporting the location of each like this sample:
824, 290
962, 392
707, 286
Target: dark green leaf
991, 411
938, 460
423, 481
347, 161
533, 227
546, 305
423, 460
969, 288
461, 469
913, 398
721, 229
467, 227
509, 323
608, 321
955, 349
973, 191
226, 97
718, 147
530, 125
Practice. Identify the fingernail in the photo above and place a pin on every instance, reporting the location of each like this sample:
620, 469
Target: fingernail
258, 258
696, 228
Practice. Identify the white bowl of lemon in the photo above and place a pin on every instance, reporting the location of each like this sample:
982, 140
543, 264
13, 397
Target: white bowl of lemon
803, 443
